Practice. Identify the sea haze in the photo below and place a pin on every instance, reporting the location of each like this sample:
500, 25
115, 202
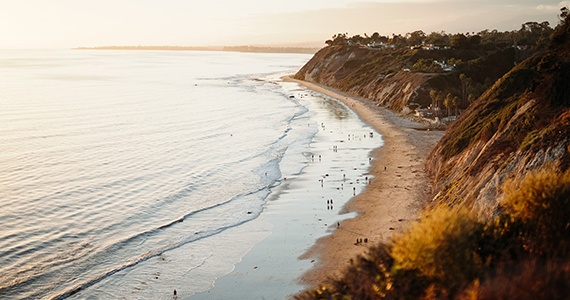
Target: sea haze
122, 173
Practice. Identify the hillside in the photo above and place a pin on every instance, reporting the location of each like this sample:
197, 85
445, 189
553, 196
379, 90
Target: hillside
395, 79
520, 124
516, 124
498, 226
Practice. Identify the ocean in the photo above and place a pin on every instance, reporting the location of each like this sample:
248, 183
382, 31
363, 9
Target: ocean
127, 174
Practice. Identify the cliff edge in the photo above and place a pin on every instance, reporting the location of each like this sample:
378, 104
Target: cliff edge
521, 123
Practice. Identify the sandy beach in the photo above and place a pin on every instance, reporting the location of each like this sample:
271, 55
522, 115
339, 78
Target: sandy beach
305, 245
399, 190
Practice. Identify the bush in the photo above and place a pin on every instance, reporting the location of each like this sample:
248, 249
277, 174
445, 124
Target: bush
443, 245
426, 65
542, 202
526, 280
450, 254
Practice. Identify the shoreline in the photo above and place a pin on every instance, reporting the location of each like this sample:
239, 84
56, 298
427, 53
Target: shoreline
397, 193
299, 208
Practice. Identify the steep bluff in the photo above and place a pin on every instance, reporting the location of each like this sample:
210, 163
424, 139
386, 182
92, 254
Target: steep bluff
521, 123
384, 75
366, 73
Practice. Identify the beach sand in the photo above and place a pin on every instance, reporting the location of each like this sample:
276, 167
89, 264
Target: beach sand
301, 208
305, 246
397, 193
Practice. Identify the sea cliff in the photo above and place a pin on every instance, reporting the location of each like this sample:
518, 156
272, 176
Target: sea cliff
496, 226
514, 126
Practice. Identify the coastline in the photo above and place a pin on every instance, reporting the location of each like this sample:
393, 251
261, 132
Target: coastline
297, 210
399, 190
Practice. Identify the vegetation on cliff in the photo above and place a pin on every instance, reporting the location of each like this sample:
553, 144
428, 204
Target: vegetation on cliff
463, 66
531, 34
451, 254
499, 225
520, 123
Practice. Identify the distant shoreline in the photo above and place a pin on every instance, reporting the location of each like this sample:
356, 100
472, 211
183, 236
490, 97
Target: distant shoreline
249, 49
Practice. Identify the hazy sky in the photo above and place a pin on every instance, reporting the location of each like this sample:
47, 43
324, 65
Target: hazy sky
72, 23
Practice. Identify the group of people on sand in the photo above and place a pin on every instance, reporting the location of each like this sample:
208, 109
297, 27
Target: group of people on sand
359, 241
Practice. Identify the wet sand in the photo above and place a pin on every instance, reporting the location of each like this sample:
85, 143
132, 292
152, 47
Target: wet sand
399, 190
303, 207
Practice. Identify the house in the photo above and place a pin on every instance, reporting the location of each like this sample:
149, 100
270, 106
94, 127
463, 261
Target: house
381, 45
429, 47
376, 44
445, 67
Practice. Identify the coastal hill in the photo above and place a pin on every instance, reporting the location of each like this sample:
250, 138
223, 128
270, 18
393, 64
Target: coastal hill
506, 118
497, 227
519, 124
399, 74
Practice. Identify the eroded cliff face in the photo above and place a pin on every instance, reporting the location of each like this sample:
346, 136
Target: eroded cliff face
473, 179
520, 124
367, 73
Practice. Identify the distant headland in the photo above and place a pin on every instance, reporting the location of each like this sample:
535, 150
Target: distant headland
253, 49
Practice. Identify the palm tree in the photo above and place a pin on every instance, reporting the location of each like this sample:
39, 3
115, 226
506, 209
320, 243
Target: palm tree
436, 97
456, 102
448, 102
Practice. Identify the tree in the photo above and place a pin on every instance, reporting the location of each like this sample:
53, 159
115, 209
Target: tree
416, 37
465, 83
355, 40
474, 41
564, 12
459, 41
456, 102
426, 65
438, 38
436, 98
338, 39
448, 102
398, 40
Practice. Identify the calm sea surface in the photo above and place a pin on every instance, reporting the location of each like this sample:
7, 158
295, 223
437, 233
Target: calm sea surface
119, 163
103, 154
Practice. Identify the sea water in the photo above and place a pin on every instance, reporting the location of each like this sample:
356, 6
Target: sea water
123, 172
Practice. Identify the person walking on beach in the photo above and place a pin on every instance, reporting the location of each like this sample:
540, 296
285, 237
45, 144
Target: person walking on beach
175, 296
